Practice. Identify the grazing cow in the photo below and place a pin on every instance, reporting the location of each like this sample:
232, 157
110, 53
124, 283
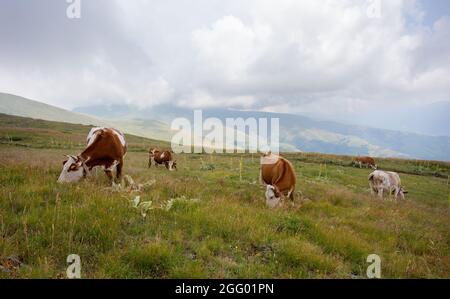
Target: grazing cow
367, 161
106, 147
382, 182
279, 176
157, 157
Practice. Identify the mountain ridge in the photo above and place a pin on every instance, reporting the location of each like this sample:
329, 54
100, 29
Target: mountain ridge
297, 132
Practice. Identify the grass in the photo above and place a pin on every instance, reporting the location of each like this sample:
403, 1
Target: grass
227, 231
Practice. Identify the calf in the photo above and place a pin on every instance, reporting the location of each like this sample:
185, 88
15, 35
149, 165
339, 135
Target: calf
158, 157
367, 161
106, 147
279, 176
382, 182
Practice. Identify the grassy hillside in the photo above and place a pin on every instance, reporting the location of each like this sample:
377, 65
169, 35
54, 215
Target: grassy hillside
300, 132
19, 106
36, 133
208, 219
16, 105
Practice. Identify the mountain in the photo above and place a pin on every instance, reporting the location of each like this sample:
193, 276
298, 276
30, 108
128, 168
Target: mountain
429, 119
296, 132
19, 106
306, 134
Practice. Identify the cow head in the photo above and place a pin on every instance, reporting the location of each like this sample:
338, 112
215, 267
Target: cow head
173, 165
73, 170
402, 192
273, 196
374, 167
153, 151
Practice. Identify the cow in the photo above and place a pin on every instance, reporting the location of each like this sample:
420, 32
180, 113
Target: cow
106, 147
278, 174
158, 157
367, 161
386, 182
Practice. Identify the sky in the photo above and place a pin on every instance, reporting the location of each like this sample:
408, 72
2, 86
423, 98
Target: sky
323, 58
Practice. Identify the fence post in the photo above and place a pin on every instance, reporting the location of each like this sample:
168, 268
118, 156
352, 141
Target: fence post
240, 170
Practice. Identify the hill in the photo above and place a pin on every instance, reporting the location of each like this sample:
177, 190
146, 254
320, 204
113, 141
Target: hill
209, 219
427, 119
37, 133
19, 106
304, 133
297, 132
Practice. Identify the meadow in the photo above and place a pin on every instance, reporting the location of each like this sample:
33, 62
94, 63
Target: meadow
209, 219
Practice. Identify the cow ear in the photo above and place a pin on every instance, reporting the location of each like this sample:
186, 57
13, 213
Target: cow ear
79, 162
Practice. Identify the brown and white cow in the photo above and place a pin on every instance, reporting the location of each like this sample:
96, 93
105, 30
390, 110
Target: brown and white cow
158, 157
386, 182
106, 147
367, 161
278, 174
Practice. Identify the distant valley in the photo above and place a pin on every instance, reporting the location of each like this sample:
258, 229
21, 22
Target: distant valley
297, 133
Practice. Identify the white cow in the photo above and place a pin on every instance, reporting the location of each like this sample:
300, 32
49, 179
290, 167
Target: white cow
386, 182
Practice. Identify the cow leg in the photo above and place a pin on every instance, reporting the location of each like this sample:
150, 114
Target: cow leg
397, 194
360, 165
291, 197
119, 170
149, 162
380, 193
109, 174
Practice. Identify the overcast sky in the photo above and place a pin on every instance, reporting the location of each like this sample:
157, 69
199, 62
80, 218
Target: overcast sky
283, 56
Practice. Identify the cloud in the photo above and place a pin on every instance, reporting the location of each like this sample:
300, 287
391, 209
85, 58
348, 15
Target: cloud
297, 52
319, 57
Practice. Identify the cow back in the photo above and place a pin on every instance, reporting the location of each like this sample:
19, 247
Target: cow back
105, 147
280, 174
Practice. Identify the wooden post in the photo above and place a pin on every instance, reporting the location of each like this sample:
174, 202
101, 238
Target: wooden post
240, 169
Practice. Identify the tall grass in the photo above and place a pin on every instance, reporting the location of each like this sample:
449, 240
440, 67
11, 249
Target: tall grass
228, 232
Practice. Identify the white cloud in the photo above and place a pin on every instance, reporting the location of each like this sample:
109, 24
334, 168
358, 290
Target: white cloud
287, 55
304, 51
